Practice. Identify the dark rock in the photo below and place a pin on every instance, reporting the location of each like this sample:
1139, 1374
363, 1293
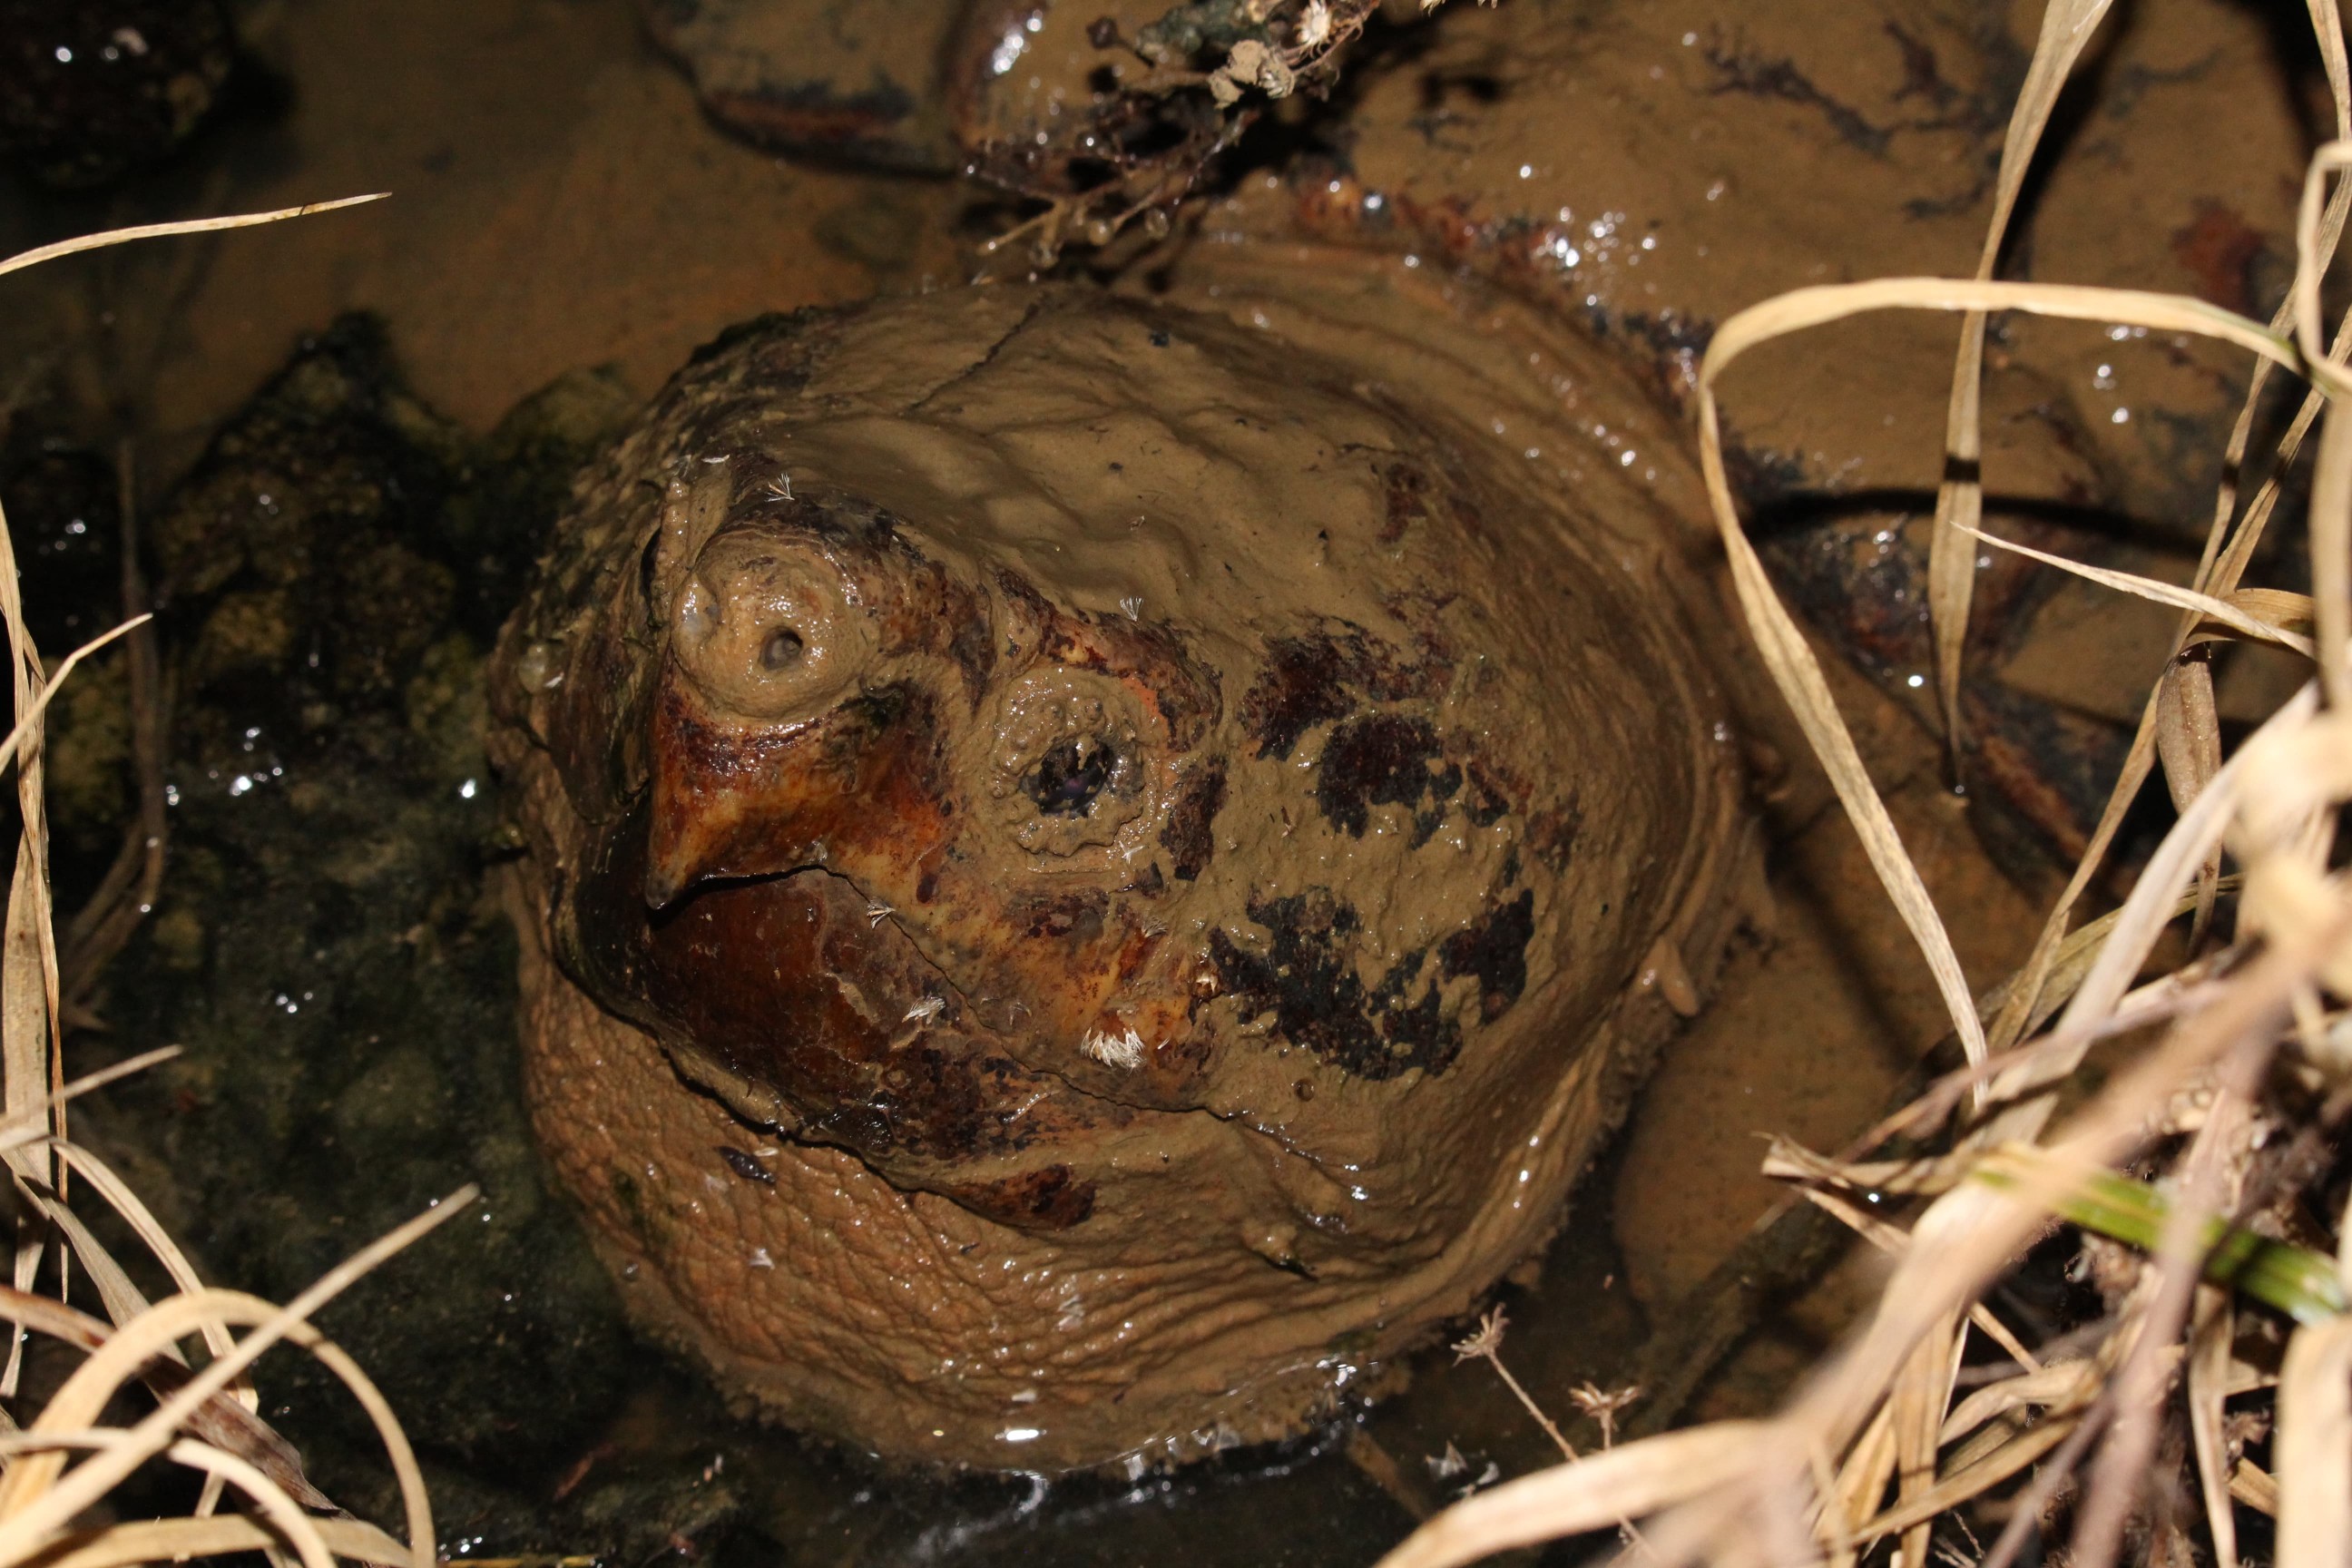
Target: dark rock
325, 949
91, 91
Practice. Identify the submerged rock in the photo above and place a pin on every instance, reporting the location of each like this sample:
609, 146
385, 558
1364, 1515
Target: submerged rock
329, 579
1098, 866
92, 88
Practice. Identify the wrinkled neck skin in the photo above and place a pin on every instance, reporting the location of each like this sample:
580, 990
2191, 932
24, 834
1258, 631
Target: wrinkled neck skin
1114, 767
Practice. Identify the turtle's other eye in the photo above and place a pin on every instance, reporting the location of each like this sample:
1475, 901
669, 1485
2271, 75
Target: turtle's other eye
1072, 767
1067, 778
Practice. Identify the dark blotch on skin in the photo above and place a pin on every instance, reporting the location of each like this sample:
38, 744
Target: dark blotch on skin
1552, 833
1308, 982
1385, 759
1301, 686
1327, 675
1494, 949
1188, 837
1047, 1199
1488, 802
745, 1166
1408, 500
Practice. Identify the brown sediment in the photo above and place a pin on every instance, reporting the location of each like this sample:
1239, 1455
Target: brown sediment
1138, 1067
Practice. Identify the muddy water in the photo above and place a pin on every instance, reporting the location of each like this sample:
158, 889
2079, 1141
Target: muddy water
561, 202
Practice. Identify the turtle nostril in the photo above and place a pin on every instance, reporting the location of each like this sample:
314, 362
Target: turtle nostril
781, 650
769, 626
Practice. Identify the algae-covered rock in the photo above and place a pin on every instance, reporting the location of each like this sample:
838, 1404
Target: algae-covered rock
329, 579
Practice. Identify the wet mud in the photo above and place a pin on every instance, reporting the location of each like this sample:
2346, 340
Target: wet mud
563, 202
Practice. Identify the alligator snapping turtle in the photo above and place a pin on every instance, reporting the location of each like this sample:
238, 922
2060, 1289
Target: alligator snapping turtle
1098, 865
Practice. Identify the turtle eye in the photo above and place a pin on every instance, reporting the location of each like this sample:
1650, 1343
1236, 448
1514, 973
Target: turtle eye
1072, 768
783, 650
1067, 778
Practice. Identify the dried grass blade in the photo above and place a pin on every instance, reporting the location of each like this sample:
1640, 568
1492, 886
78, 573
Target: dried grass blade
1593, 1493
2189, 742
148, 1229
123, 1301
2061, 1385
2066, 26
176, 1540
2208, 1379
2227, 612
32, 1125
1892, 1241
162, 230
2313, 251
1799, 676
292, 1525
1922, 1390
30, 1522
1820, 303
2331, 543
1861, 1485
2313, 1447
29, 723
1960, 507
1974, 1482
25, 1047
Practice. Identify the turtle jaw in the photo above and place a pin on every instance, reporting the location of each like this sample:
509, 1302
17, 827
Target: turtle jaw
784, 999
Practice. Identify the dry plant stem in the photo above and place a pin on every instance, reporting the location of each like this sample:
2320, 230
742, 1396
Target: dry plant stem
135, 879
2066, 26
2139, 1388
29, 958
1785, 652
2026, 1509
1528, 1400
2313, 1447
30, 1511
2212, 1329
161, 230
30, 721
1590, 1494
1486, 1345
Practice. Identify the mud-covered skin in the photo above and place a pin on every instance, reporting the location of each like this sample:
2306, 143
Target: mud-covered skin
1090, 859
